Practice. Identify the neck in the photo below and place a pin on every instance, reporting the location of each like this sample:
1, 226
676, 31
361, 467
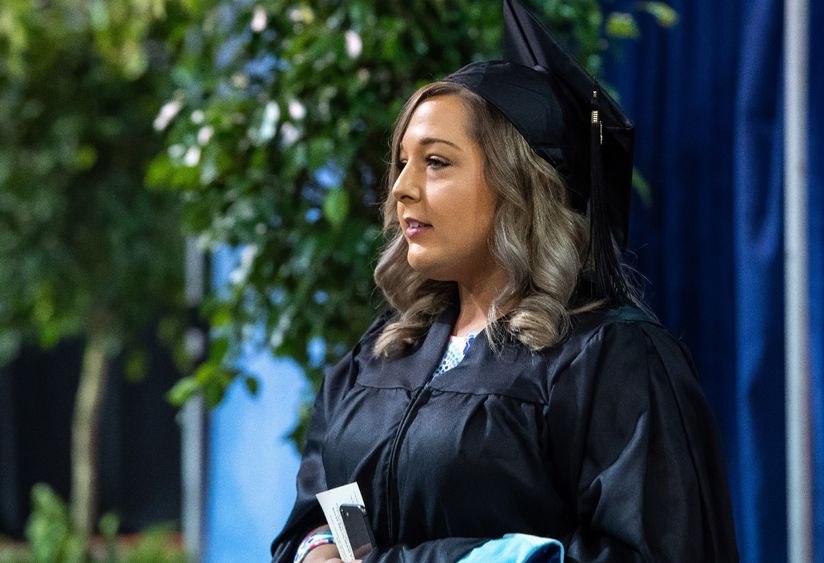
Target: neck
475, 300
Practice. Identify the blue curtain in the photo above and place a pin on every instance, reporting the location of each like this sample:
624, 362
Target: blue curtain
706, 97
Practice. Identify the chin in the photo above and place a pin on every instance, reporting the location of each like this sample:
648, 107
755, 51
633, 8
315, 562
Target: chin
425, 266
431, 271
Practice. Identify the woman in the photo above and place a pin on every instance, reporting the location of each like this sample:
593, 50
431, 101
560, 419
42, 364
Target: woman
512, 402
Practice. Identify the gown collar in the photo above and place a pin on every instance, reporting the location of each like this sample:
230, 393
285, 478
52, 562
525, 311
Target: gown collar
415, 366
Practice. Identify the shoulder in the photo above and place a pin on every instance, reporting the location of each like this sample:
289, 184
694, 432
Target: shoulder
378, 324
624, 318
365, 344
340, 377
607, 327
620, 365
367, 340
623, 342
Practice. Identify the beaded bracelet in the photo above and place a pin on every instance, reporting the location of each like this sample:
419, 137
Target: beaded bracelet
311, 542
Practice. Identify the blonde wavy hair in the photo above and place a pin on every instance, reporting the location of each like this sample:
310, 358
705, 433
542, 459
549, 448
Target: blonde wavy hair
537, 237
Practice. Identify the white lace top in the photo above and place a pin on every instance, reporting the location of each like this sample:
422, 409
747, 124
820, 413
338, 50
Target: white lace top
455, 352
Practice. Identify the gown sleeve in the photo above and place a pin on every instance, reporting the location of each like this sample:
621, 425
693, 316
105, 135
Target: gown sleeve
636, 452
306, 513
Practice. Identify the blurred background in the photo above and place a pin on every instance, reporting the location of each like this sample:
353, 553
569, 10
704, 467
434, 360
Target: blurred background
189, 196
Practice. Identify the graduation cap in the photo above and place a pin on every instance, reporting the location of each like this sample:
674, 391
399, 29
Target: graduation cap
568, 120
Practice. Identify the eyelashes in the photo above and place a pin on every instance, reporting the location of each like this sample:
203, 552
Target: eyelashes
433, 162
436, 162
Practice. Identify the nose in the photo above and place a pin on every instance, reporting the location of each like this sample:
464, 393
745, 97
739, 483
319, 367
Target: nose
407, 187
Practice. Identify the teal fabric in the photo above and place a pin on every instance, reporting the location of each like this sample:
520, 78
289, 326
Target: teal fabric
517, 548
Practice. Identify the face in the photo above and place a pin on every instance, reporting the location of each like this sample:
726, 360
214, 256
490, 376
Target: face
444, 204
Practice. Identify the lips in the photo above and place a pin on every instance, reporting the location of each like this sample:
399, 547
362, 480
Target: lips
415, 224
415, 227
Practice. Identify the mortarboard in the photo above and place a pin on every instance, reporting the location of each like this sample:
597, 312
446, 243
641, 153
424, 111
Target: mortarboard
568, 120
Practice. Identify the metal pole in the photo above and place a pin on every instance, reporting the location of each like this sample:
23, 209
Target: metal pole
796, 308
193, 415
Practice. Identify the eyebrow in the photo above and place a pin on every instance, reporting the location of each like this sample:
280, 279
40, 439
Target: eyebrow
432, 140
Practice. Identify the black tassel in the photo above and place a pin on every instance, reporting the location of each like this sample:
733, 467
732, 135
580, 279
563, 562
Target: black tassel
608, 274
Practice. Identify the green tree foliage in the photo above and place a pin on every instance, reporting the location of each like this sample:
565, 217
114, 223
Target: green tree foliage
85, 249
81, 241
277, 139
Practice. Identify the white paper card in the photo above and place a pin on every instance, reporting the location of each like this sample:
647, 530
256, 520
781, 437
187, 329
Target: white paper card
330, 502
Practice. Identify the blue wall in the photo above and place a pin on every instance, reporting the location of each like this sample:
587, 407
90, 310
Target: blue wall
252, 466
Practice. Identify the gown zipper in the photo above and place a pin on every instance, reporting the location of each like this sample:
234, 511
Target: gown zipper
394, 453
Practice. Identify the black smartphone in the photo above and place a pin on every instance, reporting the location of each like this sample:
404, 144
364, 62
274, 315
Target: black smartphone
358, 529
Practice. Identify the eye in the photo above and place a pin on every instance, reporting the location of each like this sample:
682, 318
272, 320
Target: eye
401, 163
436, 162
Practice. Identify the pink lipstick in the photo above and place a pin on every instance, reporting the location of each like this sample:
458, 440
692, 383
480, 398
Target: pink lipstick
415, 227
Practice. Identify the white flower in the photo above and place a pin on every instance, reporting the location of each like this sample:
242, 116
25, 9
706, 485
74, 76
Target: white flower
259, 19
204, 134
247, 258
297, 110
166, 114
289, 134
208, 172
247, 255
198, 116
237, 276
192, 156
268, 124
240, 80
304, 14
176, 151
354, 43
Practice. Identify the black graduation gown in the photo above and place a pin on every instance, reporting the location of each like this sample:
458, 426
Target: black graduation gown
604, 442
